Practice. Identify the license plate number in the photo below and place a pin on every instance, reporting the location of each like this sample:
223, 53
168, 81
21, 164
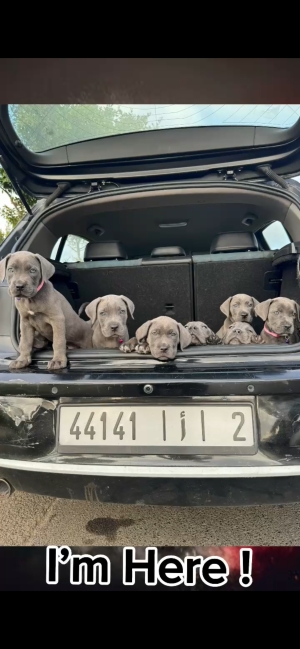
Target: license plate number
219, 429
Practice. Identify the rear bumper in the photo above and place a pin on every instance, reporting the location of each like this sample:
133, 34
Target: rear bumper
123, 488
29, 459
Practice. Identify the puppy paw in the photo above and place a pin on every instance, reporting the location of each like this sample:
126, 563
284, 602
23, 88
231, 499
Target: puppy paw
129, 346
125, 348
57, 363
142, 348
19, 363
214, 340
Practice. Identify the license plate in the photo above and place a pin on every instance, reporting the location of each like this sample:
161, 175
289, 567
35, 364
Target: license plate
205, 429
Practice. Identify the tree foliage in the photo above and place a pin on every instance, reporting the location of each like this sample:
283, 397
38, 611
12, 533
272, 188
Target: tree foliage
14, 211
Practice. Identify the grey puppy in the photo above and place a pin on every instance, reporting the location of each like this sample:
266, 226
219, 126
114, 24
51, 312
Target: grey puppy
201, 334
241, 333
280, 316
108, 317
159, 337
44, 312
239, 308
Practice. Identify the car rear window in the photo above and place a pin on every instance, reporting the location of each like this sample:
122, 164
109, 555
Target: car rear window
44, 127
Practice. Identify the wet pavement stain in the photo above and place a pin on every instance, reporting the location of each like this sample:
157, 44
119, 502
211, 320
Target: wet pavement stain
108, 526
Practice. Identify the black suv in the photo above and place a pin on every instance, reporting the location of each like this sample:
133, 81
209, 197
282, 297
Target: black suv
218, 425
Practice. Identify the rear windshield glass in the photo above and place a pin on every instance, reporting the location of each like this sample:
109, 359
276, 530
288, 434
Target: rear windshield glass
44, 127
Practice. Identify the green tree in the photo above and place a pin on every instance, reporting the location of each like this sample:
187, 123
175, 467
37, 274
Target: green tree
14, 213
43, 127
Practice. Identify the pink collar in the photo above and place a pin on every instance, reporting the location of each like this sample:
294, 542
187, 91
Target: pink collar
40, 286
271, 333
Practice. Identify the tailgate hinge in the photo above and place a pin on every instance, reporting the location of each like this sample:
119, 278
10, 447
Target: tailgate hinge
59, 191
269, 173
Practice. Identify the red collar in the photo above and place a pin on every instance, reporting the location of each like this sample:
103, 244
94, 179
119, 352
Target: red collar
271, 333
40, 286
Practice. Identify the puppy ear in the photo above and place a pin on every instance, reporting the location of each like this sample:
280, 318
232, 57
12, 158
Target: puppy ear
184, 336
129, 304
225, 307
3, 265
47, 268
255, 302
142, 332
262, 309
91, 310
297, 309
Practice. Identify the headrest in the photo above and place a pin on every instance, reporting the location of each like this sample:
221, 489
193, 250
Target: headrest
104, 250
234, 242
168, 251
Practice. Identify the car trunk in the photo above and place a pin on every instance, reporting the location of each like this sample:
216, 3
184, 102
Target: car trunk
159, 246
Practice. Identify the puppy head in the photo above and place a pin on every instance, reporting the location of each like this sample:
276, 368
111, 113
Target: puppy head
241, 333
25, 272
279, 314
239, 308
200, 333
110, 312
163, 336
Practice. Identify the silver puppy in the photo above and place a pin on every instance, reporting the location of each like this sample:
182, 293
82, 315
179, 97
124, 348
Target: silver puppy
201, 334
44, 312
241, 333
280, 316
239, 308
108, 317
159, 337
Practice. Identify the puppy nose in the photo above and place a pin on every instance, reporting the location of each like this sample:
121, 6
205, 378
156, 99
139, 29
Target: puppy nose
114, 327
287, 327
164, 347
237, 331
244, 313
19, 285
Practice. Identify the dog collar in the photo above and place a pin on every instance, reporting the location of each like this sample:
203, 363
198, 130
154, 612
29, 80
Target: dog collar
121, 341
37, 290
271, 333
40, 286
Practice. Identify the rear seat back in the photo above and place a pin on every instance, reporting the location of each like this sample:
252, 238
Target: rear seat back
158, 285
235, 265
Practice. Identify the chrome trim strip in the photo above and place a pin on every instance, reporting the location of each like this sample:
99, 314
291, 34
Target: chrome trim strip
151, 471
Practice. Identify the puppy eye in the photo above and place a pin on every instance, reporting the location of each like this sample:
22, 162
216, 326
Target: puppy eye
10, 270
102, 312
122, 311
204, 327
172, 333
33, 271
276, 312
